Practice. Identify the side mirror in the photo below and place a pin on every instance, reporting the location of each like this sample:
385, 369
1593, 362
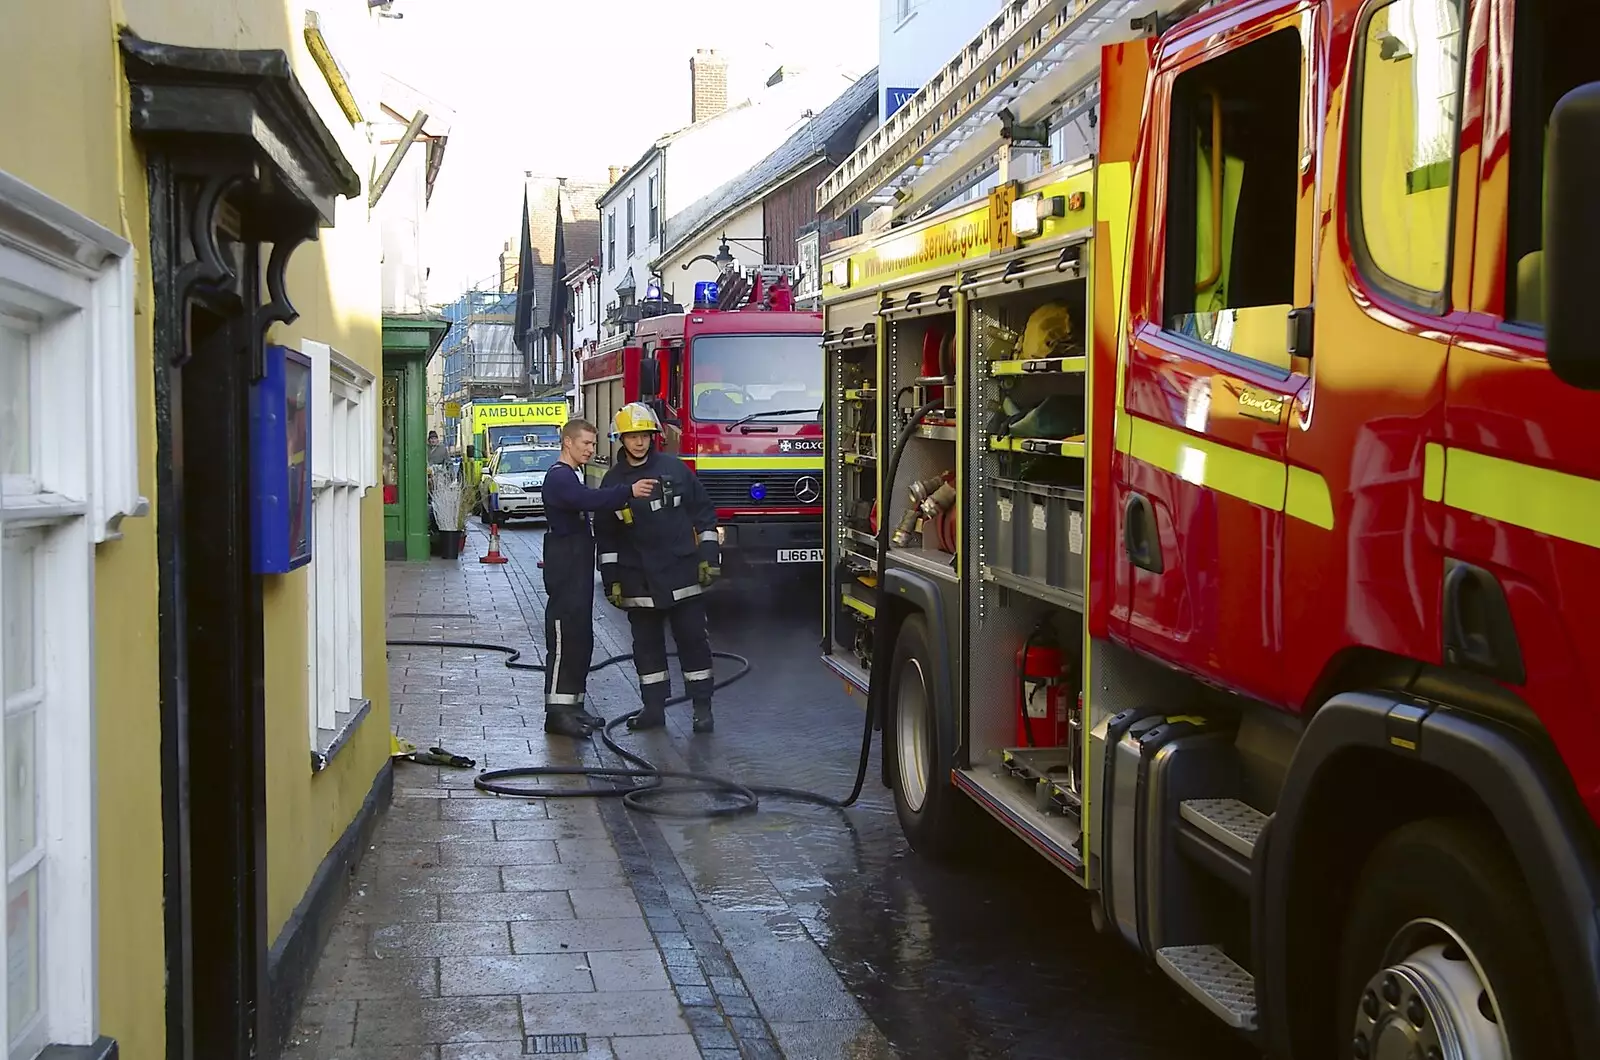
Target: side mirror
649, 377
1571, 238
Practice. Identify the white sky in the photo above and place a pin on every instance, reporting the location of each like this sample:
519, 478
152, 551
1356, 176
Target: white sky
568, 87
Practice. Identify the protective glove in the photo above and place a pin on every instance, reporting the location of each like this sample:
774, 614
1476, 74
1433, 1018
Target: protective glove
708, 572
614, 594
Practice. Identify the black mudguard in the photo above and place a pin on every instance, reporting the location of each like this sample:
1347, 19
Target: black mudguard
1526, 788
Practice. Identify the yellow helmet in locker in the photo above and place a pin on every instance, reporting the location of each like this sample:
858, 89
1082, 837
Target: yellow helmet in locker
1049, 328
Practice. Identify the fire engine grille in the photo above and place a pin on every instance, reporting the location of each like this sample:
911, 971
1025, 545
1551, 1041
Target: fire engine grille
761, 489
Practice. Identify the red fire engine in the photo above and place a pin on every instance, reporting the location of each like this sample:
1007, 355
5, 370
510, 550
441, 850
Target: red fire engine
1268, 609
737, 379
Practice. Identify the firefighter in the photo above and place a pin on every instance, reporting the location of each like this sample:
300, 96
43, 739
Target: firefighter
657, 556
569, 577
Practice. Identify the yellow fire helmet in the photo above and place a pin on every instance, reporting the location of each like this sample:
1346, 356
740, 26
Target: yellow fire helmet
1049, 327
635, 416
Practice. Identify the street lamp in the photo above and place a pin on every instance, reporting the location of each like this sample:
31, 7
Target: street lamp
724, 259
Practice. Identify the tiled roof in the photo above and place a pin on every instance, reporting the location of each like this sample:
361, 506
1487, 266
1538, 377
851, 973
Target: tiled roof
580, 222
793, 156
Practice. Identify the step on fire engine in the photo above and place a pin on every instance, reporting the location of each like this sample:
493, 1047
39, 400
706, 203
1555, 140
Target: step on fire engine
737, 379
1219, 511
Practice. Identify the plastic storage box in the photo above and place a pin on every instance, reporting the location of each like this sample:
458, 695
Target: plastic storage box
1038, 532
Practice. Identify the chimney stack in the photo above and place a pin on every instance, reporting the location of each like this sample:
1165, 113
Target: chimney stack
509, 264
708, 84
614, 172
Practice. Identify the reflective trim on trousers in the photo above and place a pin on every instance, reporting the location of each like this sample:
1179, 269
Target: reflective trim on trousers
610, 557
555, 661
708, 535
561, 699
638, 601
657, 678
697, 675
686, 592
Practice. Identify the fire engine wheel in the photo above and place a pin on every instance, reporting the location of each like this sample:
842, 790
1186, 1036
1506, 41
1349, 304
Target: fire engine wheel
1442, 955
933, 815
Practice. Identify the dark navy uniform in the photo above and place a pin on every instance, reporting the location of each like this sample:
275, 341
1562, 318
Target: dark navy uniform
656, 557
569, 549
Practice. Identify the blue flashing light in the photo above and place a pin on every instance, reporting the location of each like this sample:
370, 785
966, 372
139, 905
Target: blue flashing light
758, 492
705, 294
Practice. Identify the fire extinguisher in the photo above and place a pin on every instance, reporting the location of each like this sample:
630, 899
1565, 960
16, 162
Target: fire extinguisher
1042, 689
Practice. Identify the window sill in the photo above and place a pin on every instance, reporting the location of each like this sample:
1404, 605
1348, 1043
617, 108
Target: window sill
331, 741
103, 1049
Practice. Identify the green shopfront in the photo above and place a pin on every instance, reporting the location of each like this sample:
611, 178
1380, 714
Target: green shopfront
409, 342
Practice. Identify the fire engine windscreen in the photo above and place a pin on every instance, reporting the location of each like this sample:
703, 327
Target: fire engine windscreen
525, 434
770, 377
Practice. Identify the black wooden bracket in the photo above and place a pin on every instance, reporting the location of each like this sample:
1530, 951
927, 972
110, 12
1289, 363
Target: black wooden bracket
251, 163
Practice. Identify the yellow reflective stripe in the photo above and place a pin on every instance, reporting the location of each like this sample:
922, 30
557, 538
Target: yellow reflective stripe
1113, 203
1534, 498
1200, 462
755, 463
1296, 491
1308, 499
859, 605
1433, 472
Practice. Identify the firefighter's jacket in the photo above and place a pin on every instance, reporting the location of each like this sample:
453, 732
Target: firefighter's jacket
653, 547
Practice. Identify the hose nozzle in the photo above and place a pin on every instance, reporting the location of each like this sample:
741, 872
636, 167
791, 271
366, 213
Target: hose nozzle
929, 497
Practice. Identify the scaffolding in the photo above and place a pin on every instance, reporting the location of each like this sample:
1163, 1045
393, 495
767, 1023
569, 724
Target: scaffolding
481, 360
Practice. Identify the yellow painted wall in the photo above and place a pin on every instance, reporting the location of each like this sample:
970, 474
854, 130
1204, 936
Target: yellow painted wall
71, 141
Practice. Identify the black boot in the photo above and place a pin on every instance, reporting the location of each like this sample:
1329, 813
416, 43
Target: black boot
653, 715
650, 716
703, 722
572, 723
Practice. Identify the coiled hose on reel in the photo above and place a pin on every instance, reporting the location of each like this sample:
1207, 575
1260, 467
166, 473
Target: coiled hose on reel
642, 786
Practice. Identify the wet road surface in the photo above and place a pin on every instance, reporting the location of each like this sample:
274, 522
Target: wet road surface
996, 960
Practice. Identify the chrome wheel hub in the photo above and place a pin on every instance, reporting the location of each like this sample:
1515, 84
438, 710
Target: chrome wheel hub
912, 728
1430, 1002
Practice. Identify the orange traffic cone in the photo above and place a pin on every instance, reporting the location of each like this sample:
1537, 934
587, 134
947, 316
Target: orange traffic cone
494, 555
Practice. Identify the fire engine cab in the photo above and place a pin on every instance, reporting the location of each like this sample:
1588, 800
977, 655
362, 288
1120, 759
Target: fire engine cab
737, 381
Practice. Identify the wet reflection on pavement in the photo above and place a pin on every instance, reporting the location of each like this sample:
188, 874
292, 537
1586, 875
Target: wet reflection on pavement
993, 960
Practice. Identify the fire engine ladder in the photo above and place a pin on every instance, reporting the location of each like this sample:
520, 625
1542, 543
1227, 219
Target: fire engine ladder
1036, 59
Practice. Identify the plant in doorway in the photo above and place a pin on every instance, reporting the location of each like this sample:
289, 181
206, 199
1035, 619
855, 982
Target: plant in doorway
448, 500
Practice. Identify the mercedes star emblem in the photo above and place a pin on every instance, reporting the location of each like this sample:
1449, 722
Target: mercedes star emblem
808, 490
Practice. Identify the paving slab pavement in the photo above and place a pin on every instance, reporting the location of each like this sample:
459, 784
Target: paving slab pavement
730, 939
481, 926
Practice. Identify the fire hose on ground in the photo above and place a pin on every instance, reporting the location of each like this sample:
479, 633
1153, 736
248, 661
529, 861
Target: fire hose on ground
645, 784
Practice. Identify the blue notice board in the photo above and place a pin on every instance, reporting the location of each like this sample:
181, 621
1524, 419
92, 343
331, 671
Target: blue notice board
280, 463
895, 98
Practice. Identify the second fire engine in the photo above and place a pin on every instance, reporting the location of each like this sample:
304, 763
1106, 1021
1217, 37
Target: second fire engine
737, 380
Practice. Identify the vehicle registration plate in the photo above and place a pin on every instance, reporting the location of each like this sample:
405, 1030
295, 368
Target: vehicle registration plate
799, 555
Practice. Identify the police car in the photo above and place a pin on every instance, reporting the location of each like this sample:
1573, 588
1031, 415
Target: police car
517, 472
